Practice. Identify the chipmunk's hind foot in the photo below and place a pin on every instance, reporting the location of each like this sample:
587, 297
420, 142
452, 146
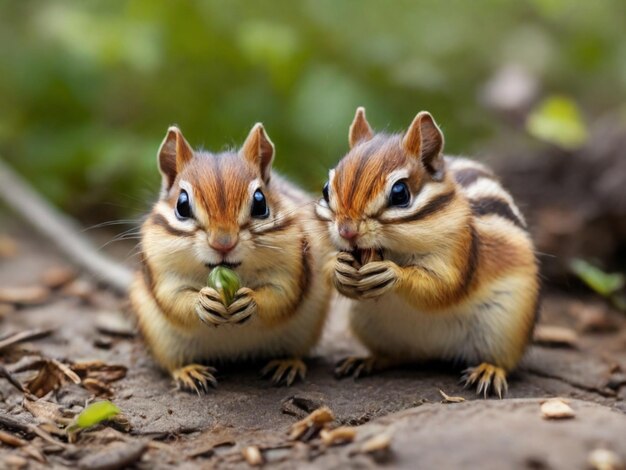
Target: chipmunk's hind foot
195, 378
488, 379
355, 367
286, 371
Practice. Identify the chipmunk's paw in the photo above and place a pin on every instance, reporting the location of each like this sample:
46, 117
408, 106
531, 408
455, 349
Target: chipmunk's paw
377, 278
488, 378
195, 378
355, 367
243, 306
210, 308
285, 370
346, 276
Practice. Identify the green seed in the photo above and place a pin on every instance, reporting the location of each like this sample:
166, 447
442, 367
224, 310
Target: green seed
225, 281
95, 413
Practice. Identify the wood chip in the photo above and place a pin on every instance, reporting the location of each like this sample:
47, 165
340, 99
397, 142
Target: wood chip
307, 428
605, 459
115, 324
253, 456
379, 447
8, 246
57, 276
22, 336
449, 399
11, 440
114, 457
340, 435
555, 336
556, 408
24, 295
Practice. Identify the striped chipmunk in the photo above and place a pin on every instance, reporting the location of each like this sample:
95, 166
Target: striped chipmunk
229, 209
434, 253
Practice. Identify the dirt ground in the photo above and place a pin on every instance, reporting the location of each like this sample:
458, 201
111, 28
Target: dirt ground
167, 428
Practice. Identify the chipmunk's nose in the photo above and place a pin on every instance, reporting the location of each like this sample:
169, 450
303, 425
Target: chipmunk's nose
223, 242
348, 231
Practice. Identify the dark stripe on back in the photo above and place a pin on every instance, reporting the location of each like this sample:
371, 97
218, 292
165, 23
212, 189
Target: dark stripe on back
159, 220
497, 206
432, 207
467, 176
472, 260
305, 277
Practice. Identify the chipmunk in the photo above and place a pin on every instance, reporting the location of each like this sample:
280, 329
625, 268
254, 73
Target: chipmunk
452, 276
229, 209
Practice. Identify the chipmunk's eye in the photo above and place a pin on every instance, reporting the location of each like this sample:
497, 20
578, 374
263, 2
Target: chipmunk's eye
183, 209
400, 195
325, 193
259, 205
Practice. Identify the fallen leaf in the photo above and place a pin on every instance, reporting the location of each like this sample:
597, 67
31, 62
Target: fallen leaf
57, 276
24, 295
340, 435
100, 371
253, 456
556, 408
603, 283
605, 459
97, 387
449, 399
11, 440
51, 375
46, 411
556, 336
308, 427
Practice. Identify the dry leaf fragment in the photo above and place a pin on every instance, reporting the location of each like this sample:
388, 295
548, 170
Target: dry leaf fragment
23, 336
98, 388
24, 295
100, 371
379, 447
57, 276
340, 435
604, 459
556, 408
449, 399
253, 456
46, 411
555, 336
51, 375
308, 427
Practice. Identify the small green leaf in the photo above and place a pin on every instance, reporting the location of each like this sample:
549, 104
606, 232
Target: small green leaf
225, 281
95, 413
557, 120
603, 283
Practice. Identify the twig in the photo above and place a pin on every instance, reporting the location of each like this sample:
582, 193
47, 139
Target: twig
23, 336
61, 230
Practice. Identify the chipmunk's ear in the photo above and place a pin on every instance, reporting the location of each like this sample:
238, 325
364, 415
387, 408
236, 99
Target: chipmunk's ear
258, 149
174, 153
360, 129
424, 140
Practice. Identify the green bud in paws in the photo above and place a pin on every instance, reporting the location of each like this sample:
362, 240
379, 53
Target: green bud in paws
225, 281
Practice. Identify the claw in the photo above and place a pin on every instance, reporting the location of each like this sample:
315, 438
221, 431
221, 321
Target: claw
488, 379
195, 378
285, 370
355, 367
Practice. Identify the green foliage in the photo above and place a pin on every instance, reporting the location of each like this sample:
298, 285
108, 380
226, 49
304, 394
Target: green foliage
88, 89
557, 120
225, 281
603, 283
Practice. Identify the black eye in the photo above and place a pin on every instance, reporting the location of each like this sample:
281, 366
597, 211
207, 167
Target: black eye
325, 192
259, 205
183, 210
400, 195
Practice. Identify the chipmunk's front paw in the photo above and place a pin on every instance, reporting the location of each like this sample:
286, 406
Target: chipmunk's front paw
243, 306
377, 278
346, 275
489, 378
210, 308
195, 378
285, 370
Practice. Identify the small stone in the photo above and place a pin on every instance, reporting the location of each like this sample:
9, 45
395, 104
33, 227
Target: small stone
555, 336
114, 324
556, 408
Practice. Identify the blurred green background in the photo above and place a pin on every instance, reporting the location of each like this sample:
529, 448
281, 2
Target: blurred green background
88, 89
